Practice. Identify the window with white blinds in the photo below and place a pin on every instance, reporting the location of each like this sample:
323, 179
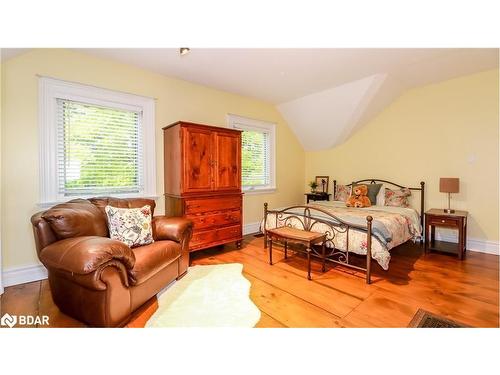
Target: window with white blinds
257, 154
99, 149
94, 141
255, 161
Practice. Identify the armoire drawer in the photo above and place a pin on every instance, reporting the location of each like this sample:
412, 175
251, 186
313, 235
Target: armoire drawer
220, 203
203, 238
207, 220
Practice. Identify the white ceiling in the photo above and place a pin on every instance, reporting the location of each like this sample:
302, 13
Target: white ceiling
325, 95
280, 75
333, 91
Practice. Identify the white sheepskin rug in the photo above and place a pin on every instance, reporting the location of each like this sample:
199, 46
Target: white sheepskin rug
208, 296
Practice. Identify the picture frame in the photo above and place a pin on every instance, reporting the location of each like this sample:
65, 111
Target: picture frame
323, 184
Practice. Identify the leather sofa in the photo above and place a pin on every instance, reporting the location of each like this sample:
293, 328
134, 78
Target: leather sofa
101, 281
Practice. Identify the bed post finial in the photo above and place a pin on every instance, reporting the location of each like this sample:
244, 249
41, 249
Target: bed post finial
369, 220
422, 207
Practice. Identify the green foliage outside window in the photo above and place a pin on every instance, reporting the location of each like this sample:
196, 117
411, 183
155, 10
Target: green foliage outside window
101, 150
253, 158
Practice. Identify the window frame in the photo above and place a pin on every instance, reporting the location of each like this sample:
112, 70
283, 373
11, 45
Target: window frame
51, 89
243, 123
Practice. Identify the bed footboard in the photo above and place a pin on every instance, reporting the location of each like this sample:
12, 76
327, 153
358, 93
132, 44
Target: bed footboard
307, 221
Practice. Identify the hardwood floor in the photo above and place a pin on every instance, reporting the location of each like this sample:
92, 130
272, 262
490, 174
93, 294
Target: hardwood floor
466, 291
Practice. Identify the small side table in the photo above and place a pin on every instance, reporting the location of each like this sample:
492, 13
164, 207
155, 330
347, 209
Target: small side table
439, 218
317, 197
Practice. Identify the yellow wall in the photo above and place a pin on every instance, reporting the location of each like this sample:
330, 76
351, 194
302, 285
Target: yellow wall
1, 131
449, 129
177, 100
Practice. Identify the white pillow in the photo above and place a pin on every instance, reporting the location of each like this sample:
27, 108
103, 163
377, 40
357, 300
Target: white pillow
381, 196
132, 226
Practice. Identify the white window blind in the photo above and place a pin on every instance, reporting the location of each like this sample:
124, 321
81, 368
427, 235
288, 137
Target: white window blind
257, 153
255, 158
99, 149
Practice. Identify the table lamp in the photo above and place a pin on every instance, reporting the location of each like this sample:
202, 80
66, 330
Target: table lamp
449, 185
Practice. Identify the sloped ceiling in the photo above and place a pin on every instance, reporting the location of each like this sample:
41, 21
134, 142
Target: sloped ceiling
325, 94
328, 118
316, 118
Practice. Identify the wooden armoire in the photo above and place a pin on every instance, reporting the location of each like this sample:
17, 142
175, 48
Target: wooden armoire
202, 169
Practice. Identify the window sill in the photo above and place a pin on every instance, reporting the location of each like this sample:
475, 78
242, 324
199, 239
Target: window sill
46, 205
266, 190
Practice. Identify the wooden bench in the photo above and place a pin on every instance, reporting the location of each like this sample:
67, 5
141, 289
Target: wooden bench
303, 237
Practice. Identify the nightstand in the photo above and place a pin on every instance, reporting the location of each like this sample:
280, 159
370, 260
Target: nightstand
317, 196
438, 218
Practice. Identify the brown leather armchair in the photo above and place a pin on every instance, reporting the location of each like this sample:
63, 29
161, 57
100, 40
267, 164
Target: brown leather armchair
101, 281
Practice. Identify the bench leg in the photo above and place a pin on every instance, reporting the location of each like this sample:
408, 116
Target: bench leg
271, 252
323, 255
286, 247
308, 264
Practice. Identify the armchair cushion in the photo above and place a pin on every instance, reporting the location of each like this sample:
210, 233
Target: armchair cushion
76, 218
102, 202
83, 255
150, 259
171, 228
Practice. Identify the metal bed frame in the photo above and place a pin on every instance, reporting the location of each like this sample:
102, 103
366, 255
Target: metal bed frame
284, 216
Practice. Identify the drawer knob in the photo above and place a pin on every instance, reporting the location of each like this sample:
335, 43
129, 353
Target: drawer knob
442, 221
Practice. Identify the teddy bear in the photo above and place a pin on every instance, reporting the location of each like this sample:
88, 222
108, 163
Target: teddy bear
359, 197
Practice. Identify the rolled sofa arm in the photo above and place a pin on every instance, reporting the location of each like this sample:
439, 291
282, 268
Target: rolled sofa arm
84, 255
176, 229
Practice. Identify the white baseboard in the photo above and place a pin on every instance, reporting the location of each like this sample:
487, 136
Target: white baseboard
473, 244
251, 228
23, 274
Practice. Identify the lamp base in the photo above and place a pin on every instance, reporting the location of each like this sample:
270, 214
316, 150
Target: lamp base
449, 211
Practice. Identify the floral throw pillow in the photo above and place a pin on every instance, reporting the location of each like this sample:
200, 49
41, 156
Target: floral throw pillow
342, 192
397, 198
132, 226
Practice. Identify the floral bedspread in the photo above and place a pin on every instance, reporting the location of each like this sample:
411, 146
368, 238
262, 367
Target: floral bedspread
396, 226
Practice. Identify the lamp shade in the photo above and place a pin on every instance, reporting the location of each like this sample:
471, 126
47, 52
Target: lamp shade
449, 185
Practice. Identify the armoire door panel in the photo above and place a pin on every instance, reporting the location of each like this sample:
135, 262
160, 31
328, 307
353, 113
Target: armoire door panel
198, 160
227, 161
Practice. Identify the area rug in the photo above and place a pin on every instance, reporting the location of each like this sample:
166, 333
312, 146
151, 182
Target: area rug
208, 296
425, 319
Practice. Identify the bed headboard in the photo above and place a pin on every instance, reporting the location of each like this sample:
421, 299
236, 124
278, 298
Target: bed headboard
376, 181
